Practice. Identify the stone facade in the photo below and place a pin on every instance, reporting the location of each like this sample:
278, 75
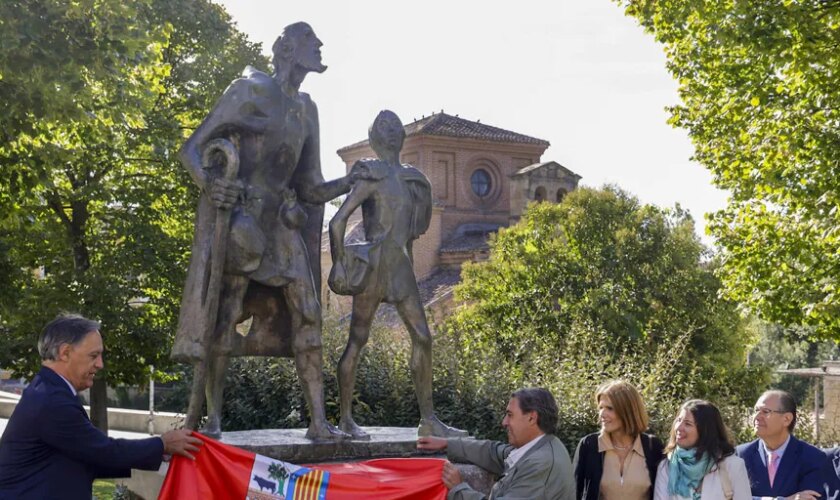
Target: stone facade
548, 181
482, 179
830, 422
828, 380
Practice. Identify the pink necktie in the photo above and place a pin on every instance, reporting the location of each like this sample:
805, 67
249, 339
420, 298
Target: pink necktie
771, 468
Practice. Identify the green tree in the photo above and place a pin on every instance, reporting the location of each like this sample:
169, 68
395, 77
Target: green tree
278, 472
96, 96
598, 287
604, 261
760, 96
783, 348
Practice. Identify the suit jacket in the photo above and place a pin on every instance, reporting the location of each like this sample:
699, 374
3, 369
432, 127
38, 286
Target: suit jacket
50, 449
543, 473
802, 468
832, 474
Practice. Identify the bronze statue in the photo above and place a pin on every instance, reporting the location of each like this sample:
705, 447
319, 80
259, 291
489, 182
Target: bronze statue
396, 207
256, 252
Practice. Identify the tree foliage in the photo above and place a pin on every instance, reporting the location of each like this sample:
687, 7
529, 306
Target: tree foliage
599, 287
96, 97
604, 262
760, 96
783, 348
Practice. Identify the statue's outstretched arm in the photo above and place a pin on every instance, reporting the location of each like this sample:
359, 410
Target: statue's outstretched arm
326, 191
308, 180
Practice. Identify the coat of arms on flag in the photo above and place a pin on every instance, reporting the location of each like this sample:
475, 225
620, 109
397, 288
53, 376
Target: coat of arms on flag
273, 479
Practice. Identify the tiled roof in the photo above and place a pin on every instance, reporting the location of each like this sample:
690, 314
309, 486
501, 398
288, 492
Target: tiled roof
436, 287
353, 233
440, 283
442, 124
466, 243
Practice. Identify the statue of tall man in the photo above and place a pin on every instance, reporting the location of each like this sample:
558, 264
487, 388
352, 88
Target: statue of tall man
275, 204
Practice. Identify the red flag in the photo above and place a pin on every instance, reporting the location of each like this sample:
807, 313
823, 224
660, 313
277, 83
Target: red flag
226, 472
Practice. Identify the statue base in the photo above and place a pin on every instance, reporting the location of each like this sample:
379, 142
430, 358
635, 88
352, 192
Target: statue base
290, 445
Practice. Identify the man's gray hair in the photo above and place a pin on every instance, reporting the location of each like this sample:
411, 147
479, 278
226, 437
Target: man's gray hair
65, 329
787, 404
541, 401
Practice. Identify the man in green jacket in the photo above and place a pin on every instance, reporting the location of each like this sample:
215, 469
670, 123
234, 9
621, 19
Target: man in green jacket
534, 465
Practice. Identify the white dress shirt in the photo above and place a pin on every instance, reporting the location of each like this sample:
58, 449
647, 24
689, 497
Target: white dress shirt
516, 454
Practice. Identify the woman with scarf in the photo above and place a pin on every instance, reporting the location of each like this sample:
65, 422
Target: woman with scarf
701, 462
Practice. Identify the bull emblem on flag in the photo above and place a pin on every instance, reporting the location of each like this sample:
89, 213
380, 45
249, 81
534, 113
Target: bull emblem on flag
285, 481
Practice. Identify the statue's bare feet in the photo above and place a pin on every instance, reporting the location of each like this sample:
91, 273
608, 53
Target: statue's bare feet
324, 431
433, 427
212, 428
349, 426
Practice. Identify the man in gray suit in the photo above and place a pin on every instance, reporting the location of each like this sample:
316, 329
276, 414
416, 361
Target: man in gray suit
533, 465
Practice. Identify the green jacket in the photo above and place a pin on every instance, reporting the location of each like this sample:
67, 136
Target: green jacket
543, 473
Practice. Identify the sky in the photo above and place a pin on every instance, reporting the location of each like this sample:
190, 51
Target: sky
577, 73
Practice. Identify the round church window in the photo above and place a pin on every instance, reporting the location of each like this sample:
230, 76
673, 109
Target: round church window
481, 183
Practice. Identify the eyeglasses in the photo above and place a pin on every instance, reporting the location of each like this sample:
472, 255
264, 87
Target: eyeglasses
766, 411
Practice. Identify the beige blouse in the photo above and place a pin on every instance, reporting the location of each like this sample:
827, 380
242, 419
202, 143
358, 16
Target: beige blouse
634, 483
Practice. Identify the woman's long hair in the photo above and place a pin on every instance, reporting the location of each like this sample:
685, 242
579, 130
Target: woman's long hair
627, 403
712, 435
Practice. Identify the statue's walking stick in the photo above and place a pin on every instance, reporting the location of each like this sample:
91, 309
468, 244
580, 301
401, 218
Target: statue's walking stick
213, 289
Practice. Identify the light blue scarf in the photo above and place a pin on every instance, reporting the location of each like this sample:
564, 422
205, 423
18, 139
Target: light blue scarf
685, 472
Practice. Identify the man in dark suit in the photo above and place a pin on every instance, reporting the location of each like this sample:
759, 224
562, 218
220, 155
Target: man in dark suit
779, 465
832, 473
50, 449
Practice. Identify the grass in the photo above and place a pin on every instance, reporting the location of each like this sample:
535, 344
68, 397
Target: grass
103, 489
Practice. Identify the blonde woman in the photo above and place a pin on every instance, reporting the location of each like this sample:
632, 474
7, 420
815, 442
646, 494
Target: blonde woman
619, 461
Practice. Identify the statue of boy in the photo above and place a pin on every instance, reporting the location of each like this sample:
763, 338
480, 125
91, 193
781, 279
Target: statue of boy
396, 206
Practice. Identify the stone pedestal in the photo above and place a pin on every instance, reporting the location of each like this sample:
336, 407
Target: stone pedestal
145, 484
290, 445
831, 400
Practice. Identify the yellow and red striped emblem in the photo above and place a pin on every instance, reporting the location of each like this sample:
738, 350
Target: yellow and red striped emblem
310, 486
